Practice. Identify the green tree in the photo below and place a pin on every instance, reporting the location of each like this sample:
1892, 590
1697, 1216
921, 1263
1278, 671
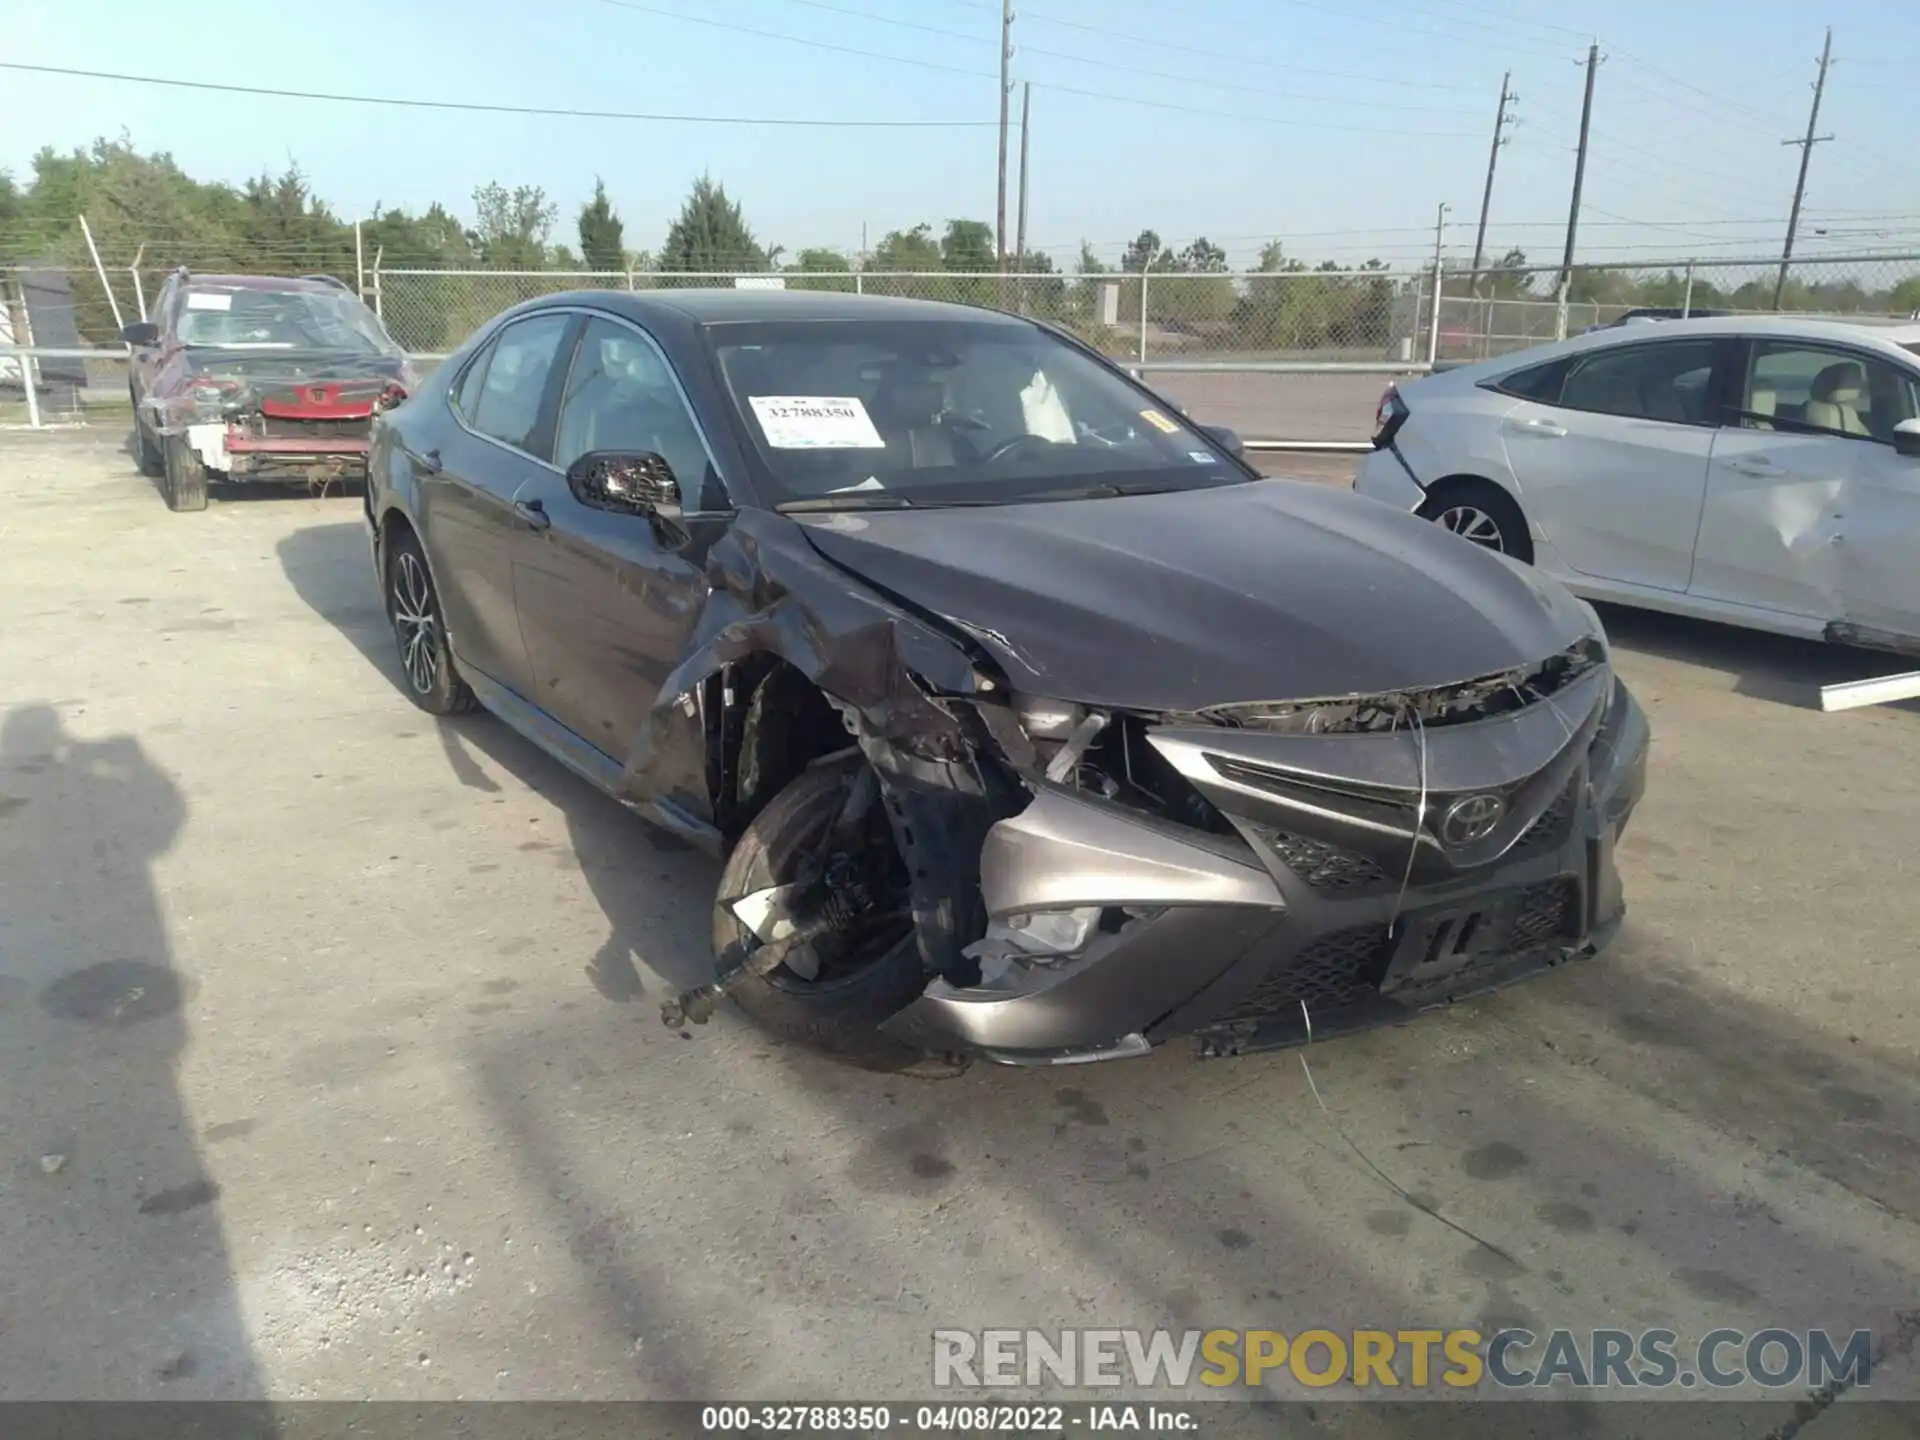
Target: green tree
602, 237
833, 268
710, 234
511, 227
967, 246
908, 252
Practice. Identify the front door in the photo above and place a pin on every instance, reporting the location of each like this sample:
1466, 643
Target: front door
467, 506
1615, 471
607, 600
1810, 510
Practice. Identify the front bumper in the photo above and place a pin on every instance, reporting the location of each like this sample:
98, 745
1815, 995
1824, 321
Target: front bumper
237, 455
1229, 937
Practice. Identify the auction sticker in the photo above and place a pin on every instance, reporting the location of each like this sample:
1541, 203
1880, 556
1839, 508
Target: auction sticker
209, 300
1160, 422
815, 422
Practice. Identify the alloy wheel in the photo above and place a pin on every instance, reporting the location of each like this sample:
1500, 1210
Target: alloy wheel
416, 623
1470, 522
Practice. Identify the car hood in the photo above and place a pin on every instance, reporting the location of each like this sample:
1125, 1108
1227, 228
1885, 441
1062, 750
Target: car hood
261, 368
1268, 590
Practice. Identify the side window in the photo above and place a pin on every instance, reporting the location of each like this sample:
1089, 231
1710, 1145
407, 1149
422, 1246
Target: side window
508, 405
620, 395
1537, 382
1645, 382
1804, 388
467, 399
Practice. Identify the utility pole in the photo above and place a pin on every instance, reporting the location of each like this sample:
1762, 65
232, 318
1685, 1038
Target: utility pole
1439, 260
1507, 97
1020, 225
1579, 180
1006, 92
1806, 154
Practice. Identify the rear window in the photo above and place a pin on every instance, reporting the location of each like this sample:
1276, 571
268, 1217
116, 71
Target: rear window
1536, 382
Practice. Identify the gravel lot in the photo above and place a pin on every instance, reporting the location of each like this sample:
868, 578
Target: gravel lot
330, 1045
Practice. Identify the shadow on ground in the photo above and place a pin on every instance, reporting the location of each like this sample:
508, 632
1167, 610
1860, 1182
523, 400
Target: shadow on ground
117, 1283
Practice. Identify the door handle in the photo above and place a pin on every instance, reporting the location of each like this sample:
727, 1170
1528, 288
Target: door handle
534, 513
1753, 466
1547, 428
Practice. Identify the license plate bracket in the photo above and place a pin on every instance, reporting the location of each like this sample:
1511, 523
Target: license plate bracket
1444, 942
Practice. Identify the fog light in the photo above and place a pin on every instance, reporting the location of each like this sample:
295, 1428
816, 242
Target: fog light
1054, 932
1033, 937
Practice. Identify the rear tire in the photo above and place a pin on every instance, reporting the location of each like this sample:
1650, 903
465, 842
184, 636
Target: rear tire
183, 479
1481, 512
146, 454
836, 1014
413, 606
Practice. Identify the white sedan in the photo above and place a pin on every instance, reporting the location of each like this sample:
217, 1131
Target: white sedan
1763, 471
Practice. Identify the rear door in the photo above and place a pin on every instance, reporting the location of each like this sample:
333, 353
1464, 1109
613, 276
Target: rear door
1810, 511
503, 402
1613, 469
607, 600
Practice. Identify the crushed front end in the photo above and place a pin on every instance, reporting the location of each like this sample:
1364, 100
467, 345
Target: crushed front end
244, 425
1255, 873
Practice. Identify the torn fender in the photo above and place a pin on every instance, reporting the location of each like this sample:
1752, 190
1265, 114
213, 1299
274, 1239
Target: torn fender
898, 680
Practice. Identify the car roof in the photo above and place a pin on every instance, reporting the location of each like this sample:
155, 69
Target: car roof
726, 306
278, 284
1808, 327
1891, 337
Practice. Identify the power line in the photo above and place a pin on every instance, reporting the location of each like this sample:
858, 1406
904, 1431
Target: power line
473, 106
1216, 84
1038, 18
738, 29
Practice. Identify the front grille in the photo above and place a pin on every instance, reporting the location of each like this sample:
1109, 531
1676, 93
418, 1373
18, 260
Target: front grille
1542, 915
1550, 831
277, 427
1323, 865
1339, 969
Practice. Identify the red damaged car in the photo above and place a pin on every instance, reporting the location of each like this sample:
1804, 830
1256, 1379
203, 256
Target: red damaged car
249, 377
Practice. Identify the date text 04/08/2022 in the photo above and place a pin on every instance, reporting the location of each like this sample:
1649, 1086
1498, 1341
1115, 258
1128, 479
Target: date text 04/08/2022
935, 1419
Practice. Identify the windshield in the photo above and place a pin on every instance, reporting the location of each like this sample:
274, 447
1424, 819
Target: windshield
248, 319
939, 412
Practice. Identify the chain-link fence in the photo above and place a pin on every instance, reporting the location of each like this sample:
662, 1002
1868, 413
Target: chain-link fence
1292, 356
1503, 310
1355, 315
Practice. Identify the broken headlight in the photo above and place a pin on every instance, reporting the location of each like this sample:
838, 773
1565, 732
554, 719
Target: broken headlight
1047, 719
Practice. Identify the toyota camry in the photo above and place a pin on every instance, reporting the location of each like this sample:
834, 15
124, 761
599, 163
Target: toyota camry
1028, 720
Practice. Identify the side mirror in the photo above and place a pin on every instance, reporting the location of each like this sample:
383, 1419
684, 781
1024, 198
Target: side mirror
1906, 437
1229, 440
626, 482
141, 334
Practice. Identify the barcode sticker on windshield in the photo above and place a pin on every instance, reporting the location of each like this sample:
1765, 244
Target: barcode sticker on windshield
208, 300
815, 422
1160, 422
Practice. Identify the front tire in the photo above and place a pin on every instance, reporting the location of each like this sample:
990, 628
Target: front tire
1481, 512
146, 454
183, 478
858, 978
426, 661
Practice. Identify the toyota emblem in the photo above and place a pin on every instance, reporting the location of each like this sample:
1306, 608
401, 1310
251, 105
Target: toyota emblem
1471, 818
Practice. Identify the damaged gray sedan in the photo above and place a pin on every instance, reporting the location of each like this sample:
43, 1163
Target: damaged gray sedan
1029, 721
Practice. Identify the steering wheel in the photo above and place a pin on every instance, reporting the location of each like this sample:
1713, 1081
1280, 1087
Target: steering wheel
1008, 448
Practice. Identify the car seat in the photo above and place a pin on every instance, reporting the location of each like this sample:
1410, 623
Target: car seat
907, 413
1833, 402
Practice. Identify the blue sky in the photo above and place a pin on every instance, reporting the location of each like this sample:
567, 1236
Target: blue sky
1335, 125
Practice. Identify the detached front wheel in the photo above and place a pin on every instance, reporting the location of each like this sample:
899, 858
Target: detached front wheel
183, 480
798, 865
